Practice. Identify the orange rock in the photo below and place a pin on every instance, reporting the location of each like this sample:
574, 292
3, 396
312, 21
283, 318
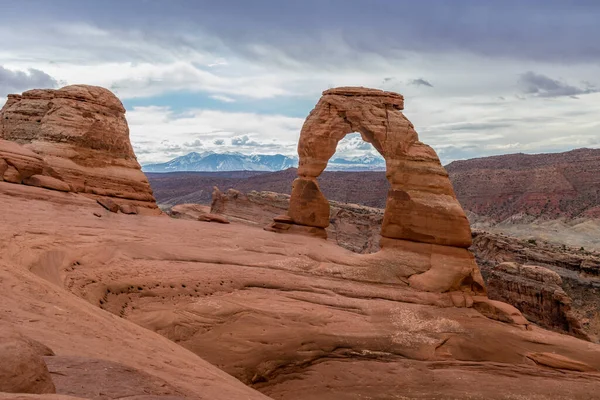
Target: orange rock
189, 211
308, 206
213, 218
47, 182
421, 204
560, 362
18, 162
77, 134
128, 209
108, 204
23, 369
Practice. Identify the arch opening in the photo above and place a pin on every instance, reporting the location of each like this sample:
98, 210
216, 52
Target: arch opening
420, 204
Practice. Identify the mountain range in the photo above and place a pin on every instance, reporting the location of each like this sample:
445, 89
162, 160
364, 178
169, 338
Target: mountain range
231, 161
512, 187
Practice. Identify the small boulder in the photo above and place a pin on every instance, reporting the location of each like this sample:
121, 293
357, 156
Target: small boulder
558, 361
108, 204
499, 311
189, 211
23, 369
213, 218
128, 209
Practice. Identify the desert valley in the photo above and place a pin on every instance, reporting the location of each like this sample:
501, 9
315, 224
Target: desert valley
422, 282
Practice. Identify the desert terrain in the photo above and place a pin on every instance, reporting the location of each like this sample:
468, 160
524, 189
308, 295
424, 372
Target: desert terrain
106, 297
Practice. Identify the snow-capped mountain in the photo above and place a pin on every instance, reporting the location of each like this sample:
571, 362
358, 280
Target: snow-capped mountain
365, 162
213, 162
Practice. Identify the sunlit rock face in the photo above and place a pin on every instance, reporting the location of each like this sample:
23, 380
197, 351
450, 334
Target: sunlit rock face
72, 139
422, 214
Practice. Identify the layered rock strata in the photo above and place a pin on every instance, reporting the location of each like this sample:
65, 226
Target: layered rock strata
542, 294
73, 139
576, 312
422, 214
352, 226
538, 293
292, 316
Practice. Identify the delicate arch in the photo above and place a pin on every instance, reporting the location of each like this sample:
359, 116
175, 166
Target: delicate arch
421, 205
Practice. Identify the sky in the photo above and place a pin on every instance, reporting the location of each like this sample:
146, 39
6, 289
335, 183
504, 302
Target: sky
479, 77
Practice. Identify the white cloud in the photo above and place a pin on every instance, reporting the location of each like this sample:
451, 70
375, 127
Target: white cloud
224, 99
473, 109
159, 134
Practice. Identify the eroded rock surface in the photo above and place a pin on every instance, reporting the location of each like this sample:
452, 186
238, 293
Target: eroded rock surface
22, 366
352, 226
293, 316
105, 380
421, 205
544, 297
570, 303
72, 139
538, 293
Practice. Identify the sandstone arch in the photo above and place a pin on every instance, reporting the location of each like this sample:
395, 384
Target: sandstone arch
421, 205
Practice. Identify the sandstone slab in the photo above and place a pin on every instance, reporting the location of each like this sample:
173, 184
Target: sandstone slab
293, 316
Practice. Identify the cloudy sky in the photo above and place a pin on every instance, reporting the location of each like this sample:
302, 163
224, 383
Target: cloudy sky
479, 77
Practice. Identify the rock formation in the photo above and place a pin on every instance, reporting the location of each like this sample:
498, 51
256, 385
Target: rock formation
22, 367
421, 205
351, 226
530, 186
542, 296
537, 292
73, 139
422, 215
294, 317
562, 295
290, 316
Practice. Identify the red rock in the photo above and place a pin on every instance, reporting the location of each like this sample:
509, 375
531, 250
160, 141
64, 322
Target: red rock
3, 168
79, 135
529, 186
23, 369
12, 175
87, 377
556, 292
308, 206
294, 317
108, 204
560, 362
128, 209
213, 218
23, 160
499, 311
47, 182
421, 205
189, 211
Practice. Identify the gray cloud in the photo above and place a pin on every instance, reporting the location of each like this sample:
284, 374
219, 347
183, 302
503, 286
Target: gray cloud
475, 126
545, 30
19, 81
195, 143
543, 86
420, 82
219, 142
243, 141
